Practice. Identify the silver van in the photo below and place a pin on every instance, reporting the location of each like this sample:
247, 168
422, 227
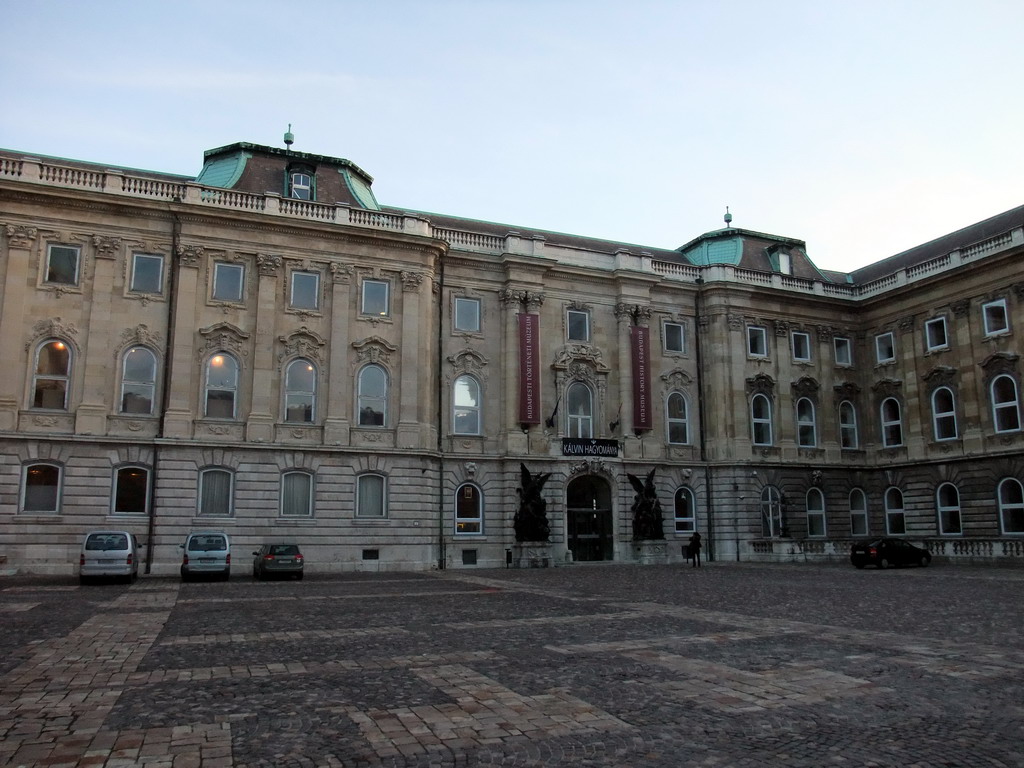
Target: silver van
206, 553
109, 553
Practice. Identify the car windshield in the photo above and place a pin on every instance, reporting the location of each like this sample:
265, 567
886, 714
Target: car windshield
104, 541
207, 543
284, 549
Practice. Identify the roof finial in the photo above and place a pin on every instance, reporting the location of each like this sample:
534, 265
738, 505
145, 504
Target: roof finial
728, 217
289, 137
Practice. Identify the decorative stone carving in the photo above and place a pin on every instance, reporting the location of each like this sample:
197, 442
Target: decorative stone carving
762, 383
580, 353
411, 281
940, 376
735, 322
374, 349
189, 255
906, 324
140, 334
676, 379
106, 247
961, 308
302, 343
53, 327
647, 513
805, 387
846, 391
341, 273
268, 264
224, 336
782, 327
591, 467
533, 301
509, 296
887, 387
825, 332
468, 361
19, 236
531, 519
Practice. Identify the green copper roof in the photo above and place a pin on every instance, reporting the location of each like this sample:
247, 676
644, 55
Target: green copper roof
723, 251
223, 171
360, 189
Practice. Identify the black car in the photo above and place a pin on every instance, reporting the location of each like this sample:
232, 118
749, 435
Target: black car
282, 559
884, 552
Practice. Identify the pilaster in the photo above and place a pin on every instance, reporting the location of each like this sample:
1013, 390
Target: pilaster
20, 241
259, 427
338, 397
182, 375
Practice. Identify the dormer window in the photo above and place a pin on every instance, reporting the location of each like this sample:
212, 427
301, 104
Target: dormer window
300, 183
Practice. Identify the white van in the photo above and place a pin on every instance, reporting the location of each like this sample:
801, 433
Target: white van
109, 553
206, 552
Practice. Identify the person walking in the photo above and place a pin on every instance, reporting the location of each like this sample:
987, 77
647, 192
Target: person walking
695, 549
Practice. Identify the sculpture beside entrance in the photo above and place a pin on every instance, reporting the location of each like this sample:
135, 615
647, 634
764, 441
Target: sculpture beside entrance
648, 533
533, 546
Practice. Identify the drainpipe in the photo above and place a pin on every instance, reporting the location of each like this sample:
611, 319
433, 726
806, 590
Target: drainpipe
441, 549
701, 414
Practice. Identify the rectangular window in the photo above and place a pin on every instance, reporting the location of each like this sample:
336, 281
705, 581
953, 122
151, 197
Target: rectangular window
370, 496
935, 334
468, 510
844, 350
41, 488
215, 493
131, 491
469, 557
376, 298
301, 186
62, 263
675, 337
577, 325
885, 348
296, 494
757, 341
996, 320
227, 281
467, 315
801, 346
305, 290
147, 273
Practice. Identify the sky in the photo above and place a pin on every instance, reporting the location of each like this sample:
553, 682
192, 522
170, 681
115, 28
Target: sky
863, 127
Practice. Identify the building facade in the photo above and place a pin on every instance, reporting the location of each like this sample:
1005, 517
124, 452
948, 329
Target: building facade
266, 350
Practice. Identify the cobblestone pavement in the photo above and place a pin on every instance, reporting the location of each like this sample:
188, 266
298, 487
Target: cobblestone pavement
615, 666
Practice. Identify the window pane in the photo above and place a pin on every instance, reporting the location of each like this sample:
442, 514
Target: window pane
305, 290
466, 395
375, 298
227, 282
62, 265
372, 396
673, 337
468, 510
370, 496
215, 493
300, 391
578, 323
130, 496
42, 482
53, 359
844, 352
467, 315
147, 273
995, 318
296, 494
685, 518
221, 383
138, 381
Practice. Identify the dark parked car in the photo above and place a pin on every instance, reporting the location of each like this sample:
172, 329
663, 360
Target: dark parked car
284, 559
885, 552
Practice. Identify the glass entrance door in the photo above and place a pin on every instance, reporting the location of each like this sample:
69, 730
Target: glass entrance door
589, 520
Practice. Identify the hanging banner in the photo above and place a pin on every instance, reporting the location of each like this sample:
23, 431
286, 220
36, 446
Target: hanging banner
529, 369
640, 342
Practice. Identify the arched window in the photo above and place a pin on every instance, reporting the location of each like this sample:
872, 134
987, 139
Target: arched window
41, 488
685, 511
944, 414
580, 406
300, 391
1011, 505
131, 491
297, 494
138, 381
1005, 405
806, 430
372, 400
895, 518
469, 509
771, 512
678, 419
371, 498
466, 406
848, 437
892, 423
858, 513
215, 493
947, 504
761, 419
815, 512
52, 378
221, 386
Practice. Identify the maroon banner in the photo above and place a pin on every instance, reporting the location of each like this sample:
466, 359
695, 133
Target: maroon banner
529, 369
640, 343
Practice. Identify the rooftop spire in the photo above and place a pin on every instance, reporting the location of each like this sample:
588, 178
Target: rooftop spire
728, 216
289, 137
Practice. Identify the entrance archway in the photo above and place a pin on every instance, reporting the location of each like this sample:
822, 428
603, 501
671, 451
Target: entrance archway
588, 524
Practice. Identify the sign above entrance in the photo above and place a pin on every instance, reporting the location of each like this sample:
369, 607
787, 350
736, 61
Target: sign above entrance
582, 446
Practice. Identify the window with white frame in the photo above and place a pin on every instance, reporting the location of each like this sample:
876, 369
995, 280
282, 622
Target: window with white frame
895, 517
843, 350
138, 381
771, 512
935, 334
371, 498
376, 298
675, 337
757, 341
1011, 505
305, 292
147, 273
297, 494
579, 402
892, 423
1005, 404
467, 314
131, 491
678, 416
685, 511
848, 437
761, 419
577, 324
63, 263
300, 391
52, 378
228, 280
216, 492
815, 504
40, 491
885, 348
469, 510
947, 505
300, 184
221, 386
801, 346
466, 406
806, 427
858, 513
944, 414
995, 318
372, 396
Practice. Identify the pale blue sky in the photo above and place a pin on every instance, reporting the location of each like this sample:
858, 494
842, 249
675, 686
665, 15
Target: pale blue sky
863, 127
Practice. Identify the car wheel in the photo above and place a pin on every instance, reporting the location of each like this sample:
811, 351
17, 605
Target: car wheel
924, 561
883, 564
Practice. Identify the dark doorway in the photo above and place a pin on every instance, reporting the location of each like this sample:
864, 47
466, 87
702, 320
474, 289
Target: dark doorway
588, 512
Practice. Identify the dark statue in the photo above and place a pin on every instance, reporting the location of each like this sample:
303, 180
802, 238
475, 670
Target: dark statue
531, 521
647, 518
